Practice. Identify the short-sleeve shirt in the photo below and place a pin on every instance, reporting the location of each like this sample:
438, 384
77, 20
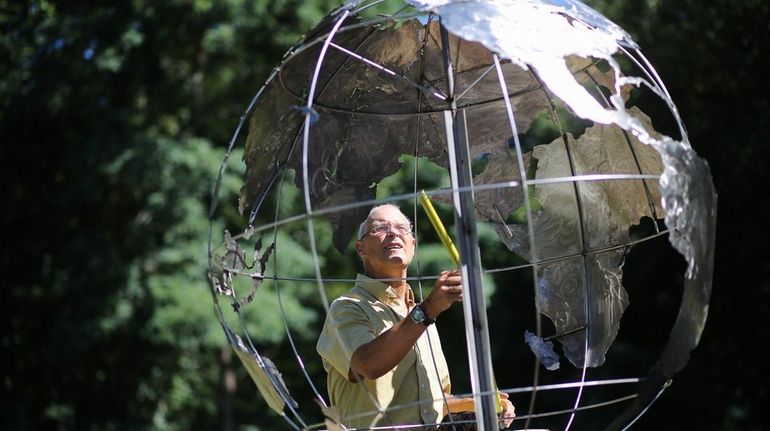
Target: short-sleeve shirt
410, 393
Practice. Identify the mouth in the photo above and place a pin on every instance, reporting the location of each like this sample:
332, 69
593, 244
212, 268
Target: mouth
394, 247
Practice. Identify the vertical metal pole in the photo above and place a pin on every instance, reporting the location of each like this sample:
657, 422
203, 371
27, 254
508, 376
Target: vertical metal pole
474, 307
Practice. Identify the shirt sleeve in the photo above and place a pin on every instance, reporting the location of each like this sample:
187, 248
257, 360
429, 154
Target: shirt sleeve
346, 329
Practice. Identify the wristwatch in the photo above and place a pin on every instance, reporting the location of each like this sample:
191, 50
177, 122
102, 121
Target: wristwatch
418, 316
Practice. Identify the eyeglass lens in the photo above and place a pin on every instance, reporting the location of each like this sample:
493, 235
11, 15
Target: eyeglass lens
400, 229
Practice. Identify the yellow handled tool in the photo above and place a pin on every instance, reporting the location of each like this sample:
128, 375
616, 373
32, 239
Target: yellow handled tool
427, 205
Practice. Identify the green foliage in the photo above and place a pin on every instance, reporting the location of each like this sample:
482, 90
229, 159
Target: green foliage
113, 119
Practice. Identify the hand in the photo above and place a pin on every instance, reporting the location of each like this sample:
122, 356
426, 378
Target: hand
447, 290
509, 412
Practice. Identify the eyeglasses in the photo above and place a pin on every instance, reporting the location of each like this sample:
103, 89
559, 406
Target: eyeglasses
399, 229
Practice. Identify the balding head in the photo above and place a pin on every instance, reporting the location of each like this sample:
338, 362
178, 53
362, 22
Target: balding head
364, 227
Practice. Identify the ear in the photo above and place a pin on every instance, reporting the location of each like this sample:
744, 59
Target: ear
360, 248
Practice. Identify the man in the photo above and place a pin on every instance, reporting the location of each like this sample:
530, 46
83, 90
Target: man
378, 346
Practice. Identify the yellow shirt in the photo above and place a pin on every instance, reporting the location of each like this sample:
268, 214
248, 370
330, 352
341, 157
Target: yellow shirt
357, 317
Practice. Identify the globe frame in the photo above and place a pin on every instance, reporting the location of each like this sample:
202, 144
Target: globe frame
687, 195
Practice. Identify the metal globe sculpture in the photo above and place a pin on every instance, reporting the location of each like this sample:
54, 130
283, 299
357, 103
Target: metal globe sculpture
530, 107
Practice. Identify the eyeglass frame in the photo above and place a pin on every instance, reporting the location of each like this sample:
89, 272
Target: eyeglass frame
373, 230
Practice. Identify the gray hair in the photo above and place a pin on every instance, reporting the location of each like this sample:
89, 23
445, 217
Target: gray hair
363, 228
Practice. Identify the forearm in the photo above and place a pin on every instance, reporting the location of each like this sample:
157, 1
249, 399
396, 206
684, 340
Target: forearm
375, 358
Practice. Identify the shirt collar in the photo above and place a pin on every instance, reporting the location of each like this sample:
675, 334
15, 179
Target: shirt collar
382, 291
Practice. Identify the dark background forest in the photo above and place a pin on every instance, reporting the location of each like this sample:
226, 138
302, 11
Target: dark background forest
114, 118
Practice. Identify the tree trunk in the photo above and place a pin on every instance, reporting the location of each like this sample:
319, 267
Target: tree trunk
227, 387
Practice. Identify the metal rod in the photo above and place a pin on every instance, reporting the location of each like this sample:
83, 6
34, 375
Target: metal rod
474, 308
565, 333
530, 227
427, 90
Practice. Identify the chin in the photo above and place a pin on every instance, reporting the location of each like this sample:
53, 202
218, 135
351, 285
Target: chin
396, 258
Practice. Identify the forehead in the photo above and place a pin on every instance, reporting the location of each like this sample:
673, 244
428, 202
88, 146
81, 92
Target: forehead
387, 214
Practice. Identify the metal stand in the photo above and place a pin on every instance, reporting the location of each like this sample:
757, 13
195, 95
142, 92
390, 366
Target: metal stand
474, 307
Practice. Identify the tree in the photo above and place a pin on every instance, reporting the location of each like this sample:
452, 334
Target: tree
113, 118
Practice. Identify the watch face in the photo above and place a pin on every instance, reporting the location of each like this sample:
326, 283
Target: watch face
418, 316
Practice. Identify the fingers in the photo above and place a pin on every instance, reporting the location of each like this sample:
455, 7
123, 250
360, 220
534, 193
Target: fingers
447, 290
450, 278
454, 287
509, 412
449, 281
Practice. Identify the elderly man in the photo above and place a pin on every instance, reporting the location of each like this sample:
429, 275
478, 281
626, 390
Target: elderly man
378, 346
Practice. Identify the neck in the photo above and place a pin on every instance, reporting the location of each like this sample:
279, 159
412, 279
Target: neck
394, 277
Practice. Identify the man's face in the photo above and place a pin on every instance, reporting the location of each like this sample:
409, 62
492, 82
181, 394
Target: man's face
386, 248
